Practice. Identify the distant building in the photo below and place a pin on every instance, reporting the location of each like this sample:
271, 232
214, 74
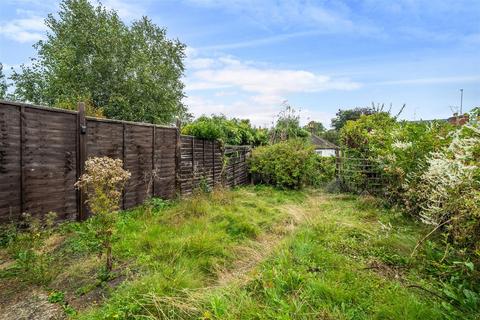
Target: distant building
459, 120
456, 120
323, 147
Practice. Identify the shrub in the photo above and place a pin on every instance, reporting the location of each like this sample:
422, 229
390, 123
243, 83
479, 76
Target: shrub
394, 152
287, 164
404, 160
233, 131
322, 171
449, 188
103, 182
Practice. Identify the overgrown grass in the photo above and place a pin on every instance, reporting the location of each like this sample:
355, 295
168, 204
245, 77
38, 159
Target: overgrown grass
313, 256
159, 248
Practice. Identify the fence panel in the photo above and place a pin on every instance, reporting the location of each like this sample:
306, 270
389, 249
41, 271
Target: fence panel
10, 163
138, 161
49, 162
43, 150
359, 175
236, 171
164, 160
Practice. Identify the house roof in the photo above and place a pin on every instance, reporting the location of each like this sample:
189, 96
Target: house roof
321, 143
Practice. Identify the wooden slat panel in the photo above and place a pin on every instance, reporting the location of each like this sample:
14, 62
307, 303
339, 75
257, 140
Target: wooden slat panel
138, 161
104, 139
49, 159
10, 166
165, 144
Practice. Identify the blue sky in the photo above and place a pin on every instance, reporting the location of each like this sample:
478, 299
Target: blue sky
246, 57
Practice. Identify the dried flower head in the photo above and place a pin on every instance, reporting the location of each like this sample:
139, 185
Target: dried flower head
103, 182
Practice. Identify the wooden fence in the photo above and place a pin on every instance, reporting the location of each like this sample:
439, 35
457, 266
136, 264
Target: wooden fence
43, 152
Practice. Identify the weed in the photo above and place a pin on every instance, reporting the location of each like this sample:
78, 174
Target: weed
103, 181
59, 297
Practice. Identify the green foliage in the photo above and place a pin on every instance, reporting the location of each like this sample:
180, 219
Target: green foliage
331, 135
431, 171
367, 135
32, 264
322, 171
288, 164
8, 234
405, 158
178, 249
345, 115
261, 252
59, 297
315, 127
3, 83
130, 72
229, 131
345, 263
287, 125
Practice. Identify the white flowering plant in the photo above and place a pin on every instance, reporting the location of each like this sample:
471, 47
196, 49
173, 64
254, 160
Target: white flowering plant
448, 191
103, 182
404, 161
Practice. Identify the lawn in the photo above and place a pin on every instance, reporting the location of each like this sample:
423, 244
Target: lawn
251, 253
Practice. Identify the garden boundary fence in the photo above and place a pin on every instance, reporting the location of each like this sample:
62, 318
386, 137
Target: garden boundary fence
359, 175
43, 152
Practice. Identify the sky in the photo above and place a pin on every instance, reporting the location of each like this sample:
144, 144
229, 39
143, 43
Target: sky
245, 57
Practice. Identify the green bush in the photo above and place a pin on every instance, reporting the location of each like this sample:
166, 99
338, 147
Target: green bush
396, 152
322, 171
233, 131
290, 164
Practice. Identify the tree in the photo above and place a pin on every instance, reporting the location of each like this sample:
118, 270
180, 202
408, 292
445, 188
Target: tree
130, 72
315, 127
288, 125
344, 115
331, 135
3, 84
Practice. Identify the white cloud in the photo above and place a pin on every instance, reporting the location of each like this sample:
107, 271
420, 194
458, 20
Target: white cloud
231, 73
127, 10
258, 114
29, 29
199, 63
250, 90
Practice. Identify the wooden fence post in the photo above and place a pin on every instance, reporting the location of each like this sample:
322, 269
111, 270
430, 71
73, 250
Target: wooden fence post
178, 157
22, 160
233, 168
213, 162
337, 164
153, 174
81, 157
124, 158
193, 162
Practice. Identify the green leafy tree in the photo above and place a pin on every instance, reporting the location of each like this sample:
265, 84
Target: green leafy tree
287, 125
130, 72
331, 135
315, 127
344, 115
3, 84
